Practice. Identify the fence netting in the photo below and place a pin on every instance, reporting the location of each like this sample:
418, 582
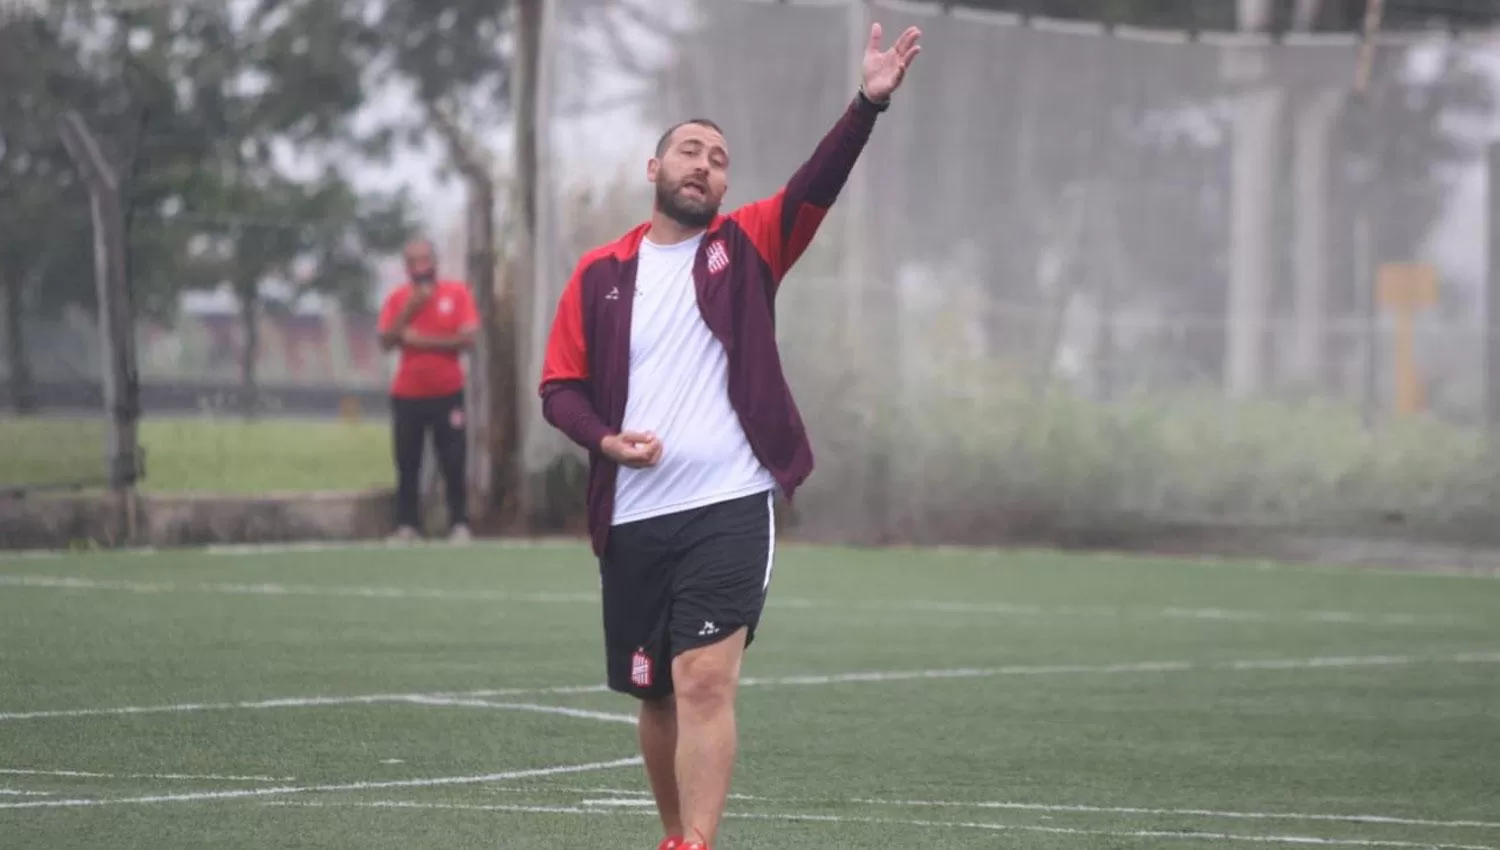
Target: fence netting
53, 424
1082, 277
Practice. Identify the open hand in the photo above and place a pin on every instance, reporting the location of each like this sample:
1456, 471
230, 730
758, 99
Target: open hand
633, 449
884, 69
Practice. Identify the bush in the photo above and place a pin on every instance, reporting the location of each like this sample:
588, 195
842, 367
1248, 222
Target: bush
969, 447
1002, 452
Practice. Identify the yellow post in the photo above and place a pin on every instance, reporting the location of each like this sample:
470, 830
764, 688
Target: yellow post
1405, 290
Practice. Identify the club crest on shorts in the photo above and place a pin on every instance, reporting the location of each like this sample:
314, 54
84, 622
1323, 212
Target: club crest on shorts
718, 257
640, 669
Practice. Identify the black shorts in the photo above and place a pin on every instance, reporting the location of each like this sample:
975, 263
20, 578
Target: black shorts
681, 581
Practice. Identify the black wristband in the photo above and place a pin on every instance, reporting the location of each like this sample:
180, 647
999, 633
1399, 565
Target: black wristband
878, 107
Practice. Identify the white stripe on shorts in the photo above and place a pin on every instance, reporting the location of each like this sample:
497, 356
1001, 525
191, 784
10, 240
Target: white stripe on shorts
771, 538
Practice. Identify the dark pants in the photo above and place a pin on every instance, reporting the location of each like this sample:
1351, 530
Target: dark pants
412, 419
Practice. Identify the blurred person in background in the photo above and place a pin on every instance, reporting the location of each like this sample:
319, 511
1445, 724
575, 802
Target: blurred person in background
431, 322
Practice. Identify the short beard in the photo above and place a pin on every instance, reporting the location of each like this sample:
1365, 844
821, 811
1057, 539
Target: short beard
687, 216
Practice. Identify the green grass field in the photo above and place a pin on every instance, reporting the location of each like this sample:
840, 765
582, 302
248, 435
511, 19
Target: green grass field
449, 698
204, 453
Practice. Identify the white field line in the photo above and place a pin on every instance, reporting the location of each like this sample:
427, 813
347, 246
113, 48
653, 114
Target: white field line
607, 717
794, 817
978, 552
256, 549
1061, 808
308, 547
11, 792
278, 589
237, 793
191, 777
294, 702
876, 676
1001, 609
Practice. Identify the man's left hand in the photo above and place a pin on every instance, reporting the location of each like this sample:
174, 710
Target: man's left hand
884, 69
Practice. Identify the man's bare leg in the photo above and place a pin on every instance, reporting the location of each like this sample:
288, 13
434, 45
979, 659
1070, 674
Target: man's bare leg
706, 681
658, 734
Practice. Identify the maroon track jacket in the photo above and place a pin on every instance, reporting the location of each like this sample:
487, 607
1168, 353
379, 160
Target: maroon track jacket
586, 371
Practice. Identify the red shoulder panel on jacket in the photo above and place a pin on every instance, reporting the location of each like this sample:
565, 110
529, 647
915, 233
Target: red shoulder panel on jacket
761, 222
567, 354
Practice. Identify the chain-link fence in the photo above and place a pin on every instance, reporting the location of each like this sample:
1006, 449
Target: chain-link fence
1086, 277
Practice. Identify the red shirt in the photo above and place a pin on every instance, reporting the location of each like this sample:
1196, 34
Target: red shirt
426, 372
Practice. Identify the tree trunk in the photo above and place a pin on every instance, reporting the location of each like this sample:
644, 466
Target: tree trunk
22, 383
514, 498
250, 350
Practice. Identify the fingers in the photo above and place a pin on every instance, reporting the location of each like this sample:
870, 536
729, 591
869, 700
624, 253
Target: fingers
639, 449
910, 55
906, 47
653, 453
905, 43
650, 449
907, 40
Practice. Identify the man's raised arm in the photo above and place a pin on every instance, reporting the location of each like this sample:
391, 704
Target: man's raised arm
783, 225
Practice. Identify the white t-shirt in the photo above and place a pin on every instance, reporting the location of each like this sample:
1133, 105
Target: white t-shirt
679, 388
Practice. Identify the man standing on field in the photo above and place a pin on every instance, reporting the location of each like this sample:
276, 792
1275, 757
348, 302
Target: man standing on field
662, 363
432, 322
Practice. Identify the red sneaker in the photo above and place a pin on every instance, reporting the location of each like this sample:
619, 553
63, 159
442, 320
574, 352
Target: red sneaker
671, 842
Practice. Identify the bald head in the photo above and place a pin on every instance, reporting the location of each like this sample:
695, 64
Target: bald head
421, 261
665, 141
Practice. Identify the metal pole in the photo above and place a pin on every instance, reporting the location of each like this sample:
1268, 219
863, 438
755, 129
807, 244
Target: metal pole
1364, 260
1255, 160
116, 322
1374, 11
1492, 297
1364, 280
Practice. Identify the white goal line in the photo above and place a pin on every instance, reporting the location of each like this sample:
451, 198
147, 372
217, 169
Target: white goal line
241, 793
636, 795
874, 676
934, 606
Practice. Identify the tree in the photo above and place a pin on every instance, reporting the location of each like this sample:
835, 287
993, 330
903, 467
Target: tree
42, 219
288, 77
193, 106
46, 256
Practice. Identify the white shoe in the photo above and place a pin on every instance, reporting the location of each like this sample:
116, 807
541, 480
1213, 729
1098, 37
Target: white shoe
460, 534
403, 534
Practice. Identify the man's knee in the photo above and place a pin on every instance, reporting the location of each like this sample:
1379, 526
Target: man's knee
706, 678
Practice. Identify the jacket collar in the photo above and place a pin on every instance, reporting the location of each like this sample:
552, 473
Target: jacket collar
630, 244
